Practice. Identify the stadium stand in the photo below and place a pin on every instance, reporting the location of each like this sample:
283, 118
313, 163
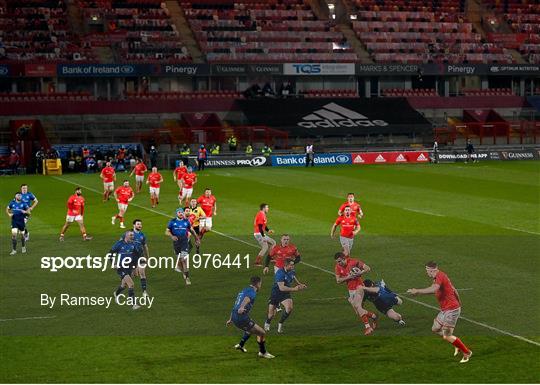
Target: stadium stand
37, 31
271, 31
138, 30
400, 92
523, 18
183, 95
421, 32
45, 97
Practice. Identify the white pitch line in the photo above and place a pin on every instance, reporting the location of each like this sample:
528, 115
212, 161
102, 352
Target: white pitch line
523, 231
424, 212
322, 269
25, 318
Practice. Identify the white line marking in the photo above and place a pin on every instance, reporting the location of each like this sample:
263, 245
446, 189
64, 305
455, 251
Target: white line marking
523, 231
423, 212
25, 318
324, 270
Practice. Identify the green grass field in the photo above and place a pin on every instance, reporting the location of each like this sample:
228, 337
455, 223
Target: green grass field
479, 221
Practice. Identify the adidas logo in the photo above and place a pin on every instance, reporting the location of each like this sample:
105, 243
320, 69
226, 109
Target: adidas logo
401, 158
380, 159
421, 158
334, 115
358, 159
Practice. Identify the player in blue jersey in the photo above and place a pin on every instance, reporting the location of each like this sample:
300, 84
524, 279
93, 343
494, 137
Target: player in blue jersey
281, 294
31, 200
17, 211
127, 253
383, 298
240, 318
140, 269
178, 230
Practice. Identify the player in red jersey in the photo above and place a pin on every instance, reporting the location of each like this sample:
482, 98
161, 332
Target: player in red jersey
279, 253
208, 204
108, 175
259, 227
349, 228
123, 195
188, 181
75, 206
350, 270
450, 305
178, 173
355, 207
154, 180
139, 170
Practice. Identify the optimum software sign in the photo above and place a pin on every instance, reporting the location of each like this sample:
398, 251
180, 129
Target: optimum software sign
319, 159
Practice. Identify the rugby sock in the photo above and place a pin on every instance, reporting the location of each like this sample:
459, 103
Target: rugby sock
371, 315
119, 290
186, 274
14, 243
284, 316
23, 242
461, 346
244, 339
269, 320
143, 284
365, 320
262, 347
258, 261
131, 293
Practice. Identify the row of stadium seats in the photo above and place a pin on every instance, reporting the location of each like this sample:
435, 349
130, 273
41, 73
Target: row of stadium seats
173, 95
42, 97
489, 92
337, 93
400, 92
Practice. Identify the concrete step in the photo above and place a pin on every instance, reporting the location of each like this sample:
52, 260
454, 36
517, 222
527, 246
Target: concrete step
186, 34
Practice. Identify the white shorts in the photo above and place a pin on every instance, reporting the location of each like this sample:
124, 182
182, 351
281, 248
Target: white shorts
206, 222
261, 240
76, 218
139, 178
123, 206
346, 243
154, 190
186, 192
448, 318
108, 185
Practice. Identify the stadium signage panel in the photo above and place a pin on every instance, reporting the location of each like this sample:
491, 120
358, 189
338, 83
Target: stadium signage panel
507, 69
229, 69
336, 117
270, 69
216, 161
390, 157
381, 69
39, 70
105, 70
319, 159
450, 157
185, 69
4, 70
311, 69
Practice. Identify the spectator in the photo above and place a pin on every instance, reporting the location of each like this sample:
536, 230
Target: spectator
153, 156
310, 156
91, 164
120, 159
267, 90
233, 143
267, 150
14, 161
202, 156
249, 150
40, 156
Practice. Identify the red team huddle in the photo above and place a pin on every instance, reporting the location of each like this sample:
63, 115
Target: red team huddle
347, 270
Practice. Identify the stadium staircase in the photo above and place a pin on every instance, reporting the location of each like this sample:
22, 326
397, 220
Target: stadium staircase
105, 54
320, 9
182, 26
75, 19
355, 43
